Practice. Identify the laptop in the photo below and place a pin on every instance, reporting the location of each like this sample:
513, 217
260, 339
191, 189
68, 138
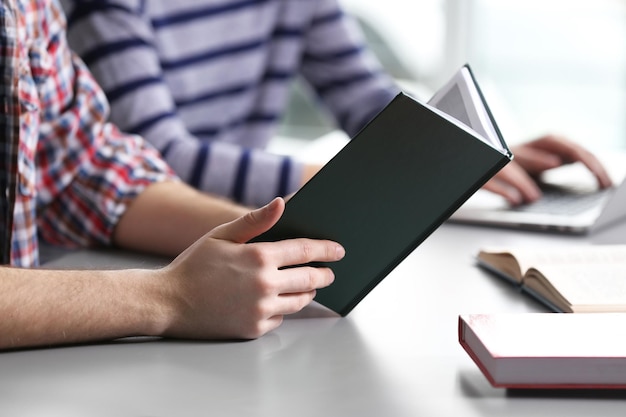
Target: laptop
571, 203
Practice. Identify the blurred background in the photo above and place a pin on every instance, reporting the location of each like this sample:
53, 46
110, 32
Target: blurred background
545, 66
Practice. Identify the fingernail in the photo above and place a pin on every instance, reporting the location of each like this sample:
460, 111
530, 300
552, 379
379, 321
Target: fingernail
341, 252
271, 206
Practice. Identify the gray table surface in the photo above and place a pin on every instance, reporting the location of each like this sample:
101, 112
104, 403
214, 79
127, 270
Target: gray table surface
396, 354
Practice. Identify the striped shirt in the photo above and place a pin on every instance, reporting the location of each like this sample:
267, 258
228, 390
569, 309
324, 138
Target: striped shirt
207, 81
67, 174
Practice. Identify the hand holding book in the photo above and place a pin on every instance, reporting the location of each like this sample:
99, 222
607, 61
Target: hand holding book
390, 187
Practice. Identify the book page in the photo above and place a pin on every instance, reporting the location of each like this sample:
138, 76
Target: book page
583, 277
588, 287
502, 263
541, 257
460, 99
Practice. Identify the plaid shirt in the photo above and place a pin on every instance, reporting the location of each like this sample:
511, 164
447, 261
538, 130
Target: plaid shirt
67, 174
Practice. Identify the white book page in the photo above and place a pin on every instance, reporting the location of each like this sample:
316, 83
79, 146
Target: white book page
542, 257
460, 99
592, 255
589, 285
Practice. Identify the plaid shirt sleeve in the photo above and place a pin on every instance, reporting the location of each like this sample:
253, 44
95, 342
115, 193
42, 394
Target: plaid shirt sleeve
85, 171
9, 128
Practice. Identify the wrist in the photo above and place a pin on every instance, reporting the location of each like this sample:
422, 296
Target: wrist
155, 310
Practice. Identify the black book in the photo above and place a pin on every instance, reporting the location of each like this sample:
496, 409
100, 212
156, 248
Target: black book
393, 185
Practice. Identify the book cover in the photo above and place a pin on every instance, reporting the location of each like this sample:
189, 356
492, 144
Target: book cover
547, 350
388, 189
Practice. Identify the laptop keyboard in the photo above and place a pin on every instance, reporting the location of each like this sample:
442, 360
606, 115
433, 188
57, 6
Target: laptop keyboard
557, 200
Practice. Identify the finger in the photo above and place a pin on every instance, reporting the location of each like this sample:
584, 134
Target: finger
304, 279
511, 195
276, 310
271, 323
301, 251
599, 171
261, 327
536, 161
594, 165
570, 152
554, 144
514, 184
251, 224
292, 303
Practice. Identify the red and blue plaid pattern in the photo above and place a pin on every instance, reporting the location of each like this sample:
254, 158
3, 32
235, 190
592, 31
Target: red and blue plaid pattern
69, 174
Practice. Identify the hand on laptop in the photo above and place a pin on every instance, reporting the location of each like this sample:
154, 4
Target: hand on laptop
516, 181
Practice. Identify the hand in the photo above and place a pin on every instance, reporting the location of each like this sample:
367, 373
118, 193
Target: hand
515, 181
222, 287
309, 172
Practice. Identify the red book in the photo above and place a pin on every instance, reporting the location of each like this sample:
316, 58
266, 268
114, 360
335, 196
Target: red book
548, 350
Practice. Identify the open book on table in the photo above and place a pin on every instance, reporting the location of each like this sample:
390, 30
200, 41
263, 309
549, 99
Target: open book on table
389, 188
545, 350
571, 279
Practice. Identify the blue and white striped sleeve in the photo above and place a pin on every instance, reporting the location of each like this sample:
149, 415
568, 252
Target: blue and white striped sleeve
117, 43
342, 70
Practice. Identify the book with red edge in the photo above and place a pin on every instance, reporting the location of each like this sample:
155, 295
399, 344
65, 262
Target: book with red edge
547, 350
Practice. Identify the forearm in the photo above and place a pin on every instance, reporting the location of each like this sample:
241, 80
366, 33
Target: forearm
219, 287
344, 72
143, 102
41, 307
168, 217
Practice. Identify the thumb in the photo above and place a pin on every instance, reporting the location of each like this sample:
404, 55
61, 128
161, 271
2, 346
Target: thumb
251, 224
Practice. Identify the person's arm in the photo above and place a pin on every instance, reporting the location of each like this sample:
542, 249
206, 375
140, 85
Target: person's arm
126, 63
157, 224
90, 171
220, 287
342, 70
516, 182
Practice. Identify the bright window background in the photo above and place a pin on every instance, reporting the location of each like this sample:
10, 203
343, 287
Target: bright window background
559, 65
554, 66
